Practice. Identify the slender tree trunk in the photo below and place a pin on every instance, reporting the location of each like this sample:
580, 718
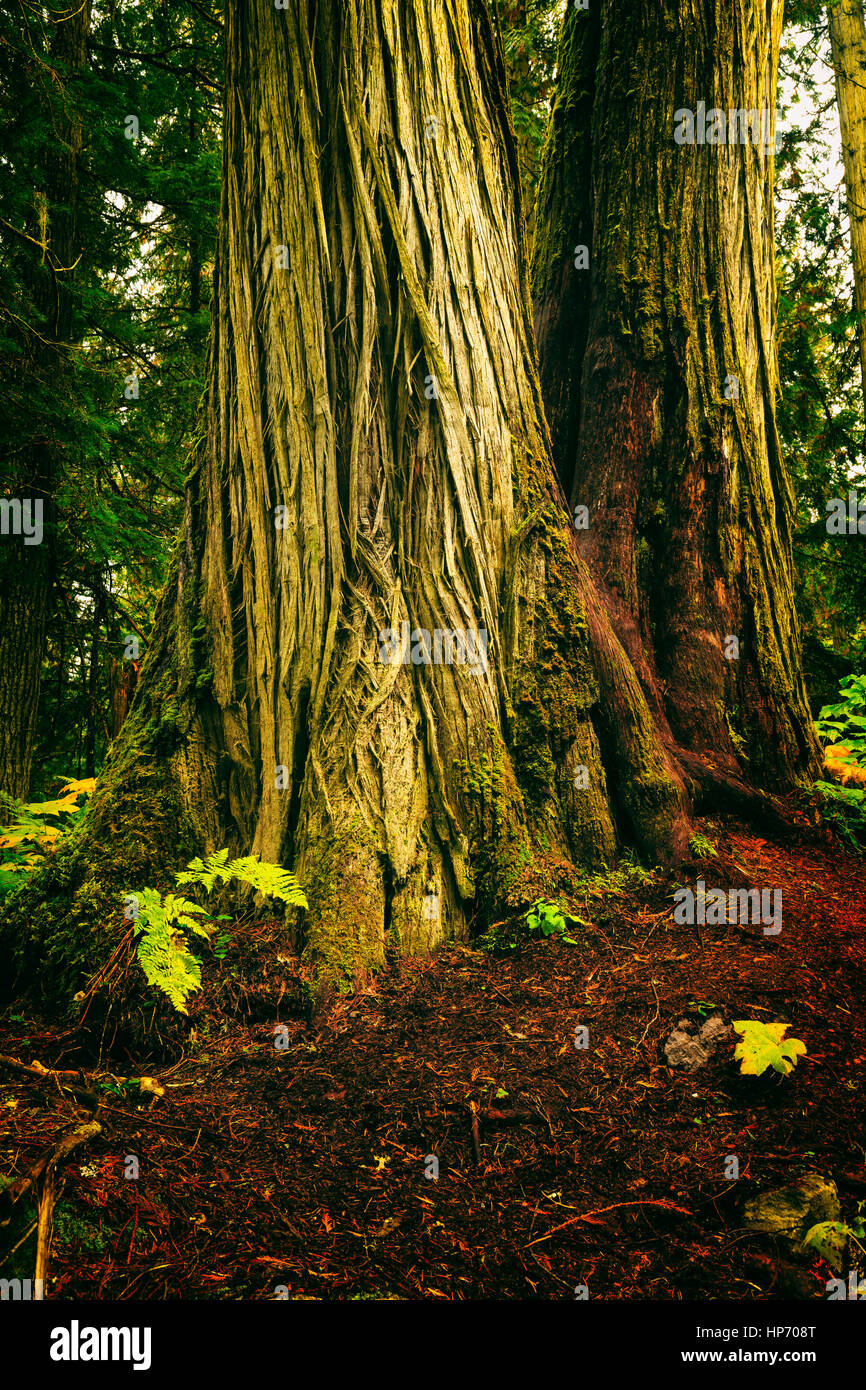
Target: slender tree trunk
23, 616
27, 570
123, 679
659, 367
93, 712
194, 246
848, 48
376, 457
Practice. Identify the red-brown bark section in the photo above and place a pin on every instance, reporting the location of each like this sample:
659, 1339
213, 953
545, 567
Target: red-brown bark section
663, 407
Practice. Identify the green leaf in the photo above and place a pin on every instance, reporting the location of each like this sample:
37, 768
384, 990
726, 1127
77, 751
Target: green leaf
762, 1047
830, 1239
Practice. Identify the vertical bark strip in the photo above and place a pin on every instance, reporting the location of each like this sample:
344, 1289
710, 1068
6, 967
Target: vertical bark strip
669, 435
564, 225
848, 49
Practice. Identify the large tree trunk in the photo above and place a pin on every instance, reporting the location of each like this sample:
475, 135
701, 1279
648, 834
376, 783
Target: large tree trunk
27, 570
376, 455
659, 369
848, 48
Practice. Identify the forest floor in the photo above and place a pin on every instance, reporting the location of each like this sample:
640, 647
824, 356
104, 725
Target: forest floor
302, 1171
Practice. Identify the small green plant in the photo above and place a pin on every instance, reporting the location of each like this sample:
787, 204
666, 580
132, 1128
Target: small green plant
162, 925
702, 848
221, 945
543, 917
844, 808
845, 722
550, 921
628, 877
70, 1229
546, 918
703, 1006
762, 1046
830, 1239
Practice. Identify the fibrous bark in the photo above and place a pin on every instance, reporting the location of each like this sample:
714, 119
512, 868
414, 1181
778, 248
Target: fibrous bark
848, 50
376, 455
659, 369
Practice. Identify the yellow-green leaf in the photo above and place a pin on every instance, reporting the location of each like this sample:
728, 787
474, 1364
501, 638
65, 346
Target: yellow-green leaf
764, 1045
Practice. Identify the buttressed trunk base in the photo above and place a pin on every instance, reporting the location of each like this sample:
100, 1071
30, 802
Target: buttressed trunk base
376, 489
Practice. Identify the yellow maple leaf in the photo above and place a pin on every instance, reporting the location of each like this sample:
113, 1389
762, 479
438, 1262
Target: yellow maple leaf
52, 808
12, 839
84, 785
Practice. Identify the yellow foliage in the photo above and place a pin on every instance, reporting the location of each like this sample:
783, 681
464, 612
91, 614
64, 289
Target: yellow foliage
84, 785
46, 834
12, 839
840, 763
53, 808
150, 1083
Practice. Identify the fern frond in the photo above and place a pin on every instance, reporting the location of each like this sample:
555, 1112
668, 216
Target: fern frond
162, 949
270, 879
168, 964
206, 871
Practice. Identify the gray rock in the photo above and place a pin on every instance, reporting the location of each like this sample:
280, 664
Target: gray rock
692, 1047
715, 1030
684, 1050
789, 1213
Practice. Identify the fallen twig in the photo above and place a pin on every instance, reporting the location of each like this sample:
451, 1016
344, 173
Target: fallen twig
512, 1117
599, 1211
653, 1019
26, 1236
40, 1073
476, 1140
35, 1068
45, 1230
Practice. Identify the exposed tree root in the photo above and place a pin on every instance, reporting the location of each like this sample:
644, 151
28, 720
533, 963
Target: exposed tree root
717, 790
49, 1161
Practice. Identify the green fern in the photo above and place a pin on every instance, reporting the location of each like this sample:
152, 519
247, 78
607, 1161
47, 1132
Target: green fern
271, 880
162, 949
206, 871
161, 946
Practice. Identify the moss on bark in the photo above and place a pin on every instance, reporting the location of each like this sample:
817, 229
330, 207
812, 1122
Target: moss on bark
376, 454
664, 350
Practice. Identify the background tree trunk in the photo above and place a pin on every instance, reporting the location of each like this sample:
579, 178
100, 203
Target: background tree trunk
659, 367
564, 225
848, 49
100, 613
27, 571
376, 455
